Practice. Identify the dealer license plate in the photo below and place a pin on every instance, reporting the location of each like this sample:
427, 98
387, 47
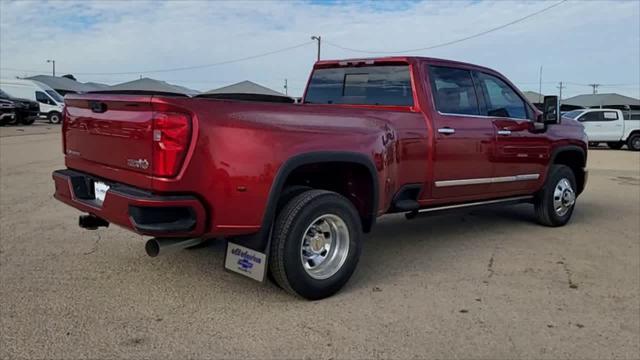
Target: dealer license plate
100, 190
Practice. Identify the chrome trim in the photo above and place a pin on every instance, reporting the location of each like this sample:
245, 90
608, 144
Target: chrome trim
447, 207
492, 180
504, 132
446, 131
484, 116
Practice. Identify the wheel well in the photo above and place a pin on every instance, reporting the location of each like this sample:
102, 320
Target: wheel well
574, 159
634, 132
352, 180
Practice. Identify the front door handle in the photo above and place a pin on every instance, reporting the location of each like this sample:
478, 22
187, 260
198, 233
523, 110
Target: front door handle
447, 131
504, 132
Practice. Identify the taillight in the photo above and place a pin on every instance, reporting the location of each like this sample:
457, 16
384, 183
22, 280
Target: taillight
171, 135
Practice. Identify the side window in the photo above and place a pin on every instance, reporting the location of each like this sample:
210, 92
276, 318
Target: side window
609, 115
42, 98
501, 99
453, 90
591, 116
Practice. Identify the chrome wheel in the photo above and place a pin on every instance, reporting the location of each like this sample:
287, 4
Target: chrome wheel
325, 246
563, 197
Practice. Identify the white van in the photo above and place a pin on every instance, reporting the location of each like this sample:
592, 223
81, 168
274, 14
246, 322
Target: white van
51, 103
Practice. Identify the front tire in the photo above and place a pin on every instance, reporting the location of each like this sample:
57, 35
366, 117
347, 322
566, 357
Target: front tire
633, 143
554, 204
316, 244
54, 117
28, 120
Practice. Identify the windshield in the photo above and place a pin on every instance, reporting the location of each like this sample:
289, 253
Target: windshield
55, 96
573, 114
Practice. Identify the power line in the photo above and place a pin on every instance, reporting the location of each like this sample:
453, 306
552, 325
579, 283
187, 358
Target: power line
449, 42
181, 68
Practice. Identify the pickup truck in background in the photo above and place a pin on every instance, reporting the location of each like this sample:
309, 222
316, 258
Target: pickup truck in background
608, 126
293, 187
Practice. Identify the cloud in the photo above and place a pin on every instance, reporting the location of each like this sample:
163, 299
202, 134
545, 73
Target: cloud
576, 42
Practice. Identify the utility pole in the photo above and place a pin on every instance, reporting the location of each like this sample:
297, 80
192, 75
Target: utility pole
319, 39
560, 87
54, 66
540, 86
286, 87
595, 88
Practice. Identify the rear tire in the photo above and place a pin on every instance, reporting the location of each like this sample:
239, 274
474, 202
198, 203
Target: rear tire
316, 244
615, 145
554, 204
633, 142
54, 117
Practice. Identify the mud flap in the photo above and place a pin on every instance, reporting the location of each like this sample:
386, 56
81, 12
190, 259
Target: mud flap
245, 261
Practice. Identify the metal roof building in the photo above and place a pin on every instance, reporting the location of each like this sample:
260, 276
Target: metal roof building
61, 84
248, 90
610, 100
151, 86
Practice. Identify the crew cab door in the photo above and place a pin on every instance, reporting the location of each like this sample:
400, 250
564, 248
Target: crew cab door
521, 153
602, 125
463, 140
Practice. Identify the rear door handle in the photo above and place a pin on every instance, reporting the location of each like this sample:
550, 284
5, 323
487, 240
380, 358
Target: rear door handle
447, 131
504, 132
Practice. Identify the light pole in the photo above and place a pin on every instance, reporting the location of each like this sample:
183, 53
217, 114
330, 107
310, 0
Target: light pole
319, 39
54, 66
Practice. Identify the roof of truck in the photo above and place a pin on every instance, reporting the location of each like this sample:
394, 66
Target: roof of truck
396, 59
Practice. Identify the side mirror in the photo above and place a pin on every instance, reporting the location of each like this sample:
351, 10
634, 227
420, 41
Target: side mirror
551, 110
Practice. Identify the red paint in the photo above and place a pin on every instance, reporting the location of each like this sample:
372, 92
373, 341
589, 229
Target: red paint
237, 145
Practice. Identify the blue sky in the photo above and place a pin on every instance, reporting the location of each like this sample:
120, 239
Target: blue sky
578, 42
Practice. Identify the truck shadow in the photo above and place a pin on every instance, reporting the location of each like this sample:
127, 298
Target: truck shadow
397, 248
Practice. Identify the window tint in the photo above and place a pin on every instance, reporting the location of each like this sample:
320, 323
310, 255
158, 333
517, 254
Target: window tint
501, 99
54, 94
453, 90
41, 97
572, 114
591, 116
367, 85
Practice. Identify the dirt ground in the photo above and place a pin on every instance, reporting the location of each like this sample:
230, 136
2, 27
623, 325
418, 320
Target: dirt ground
479, 284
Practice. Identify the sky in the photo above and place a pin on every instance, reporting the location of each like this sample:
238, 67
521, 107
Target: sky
577, 42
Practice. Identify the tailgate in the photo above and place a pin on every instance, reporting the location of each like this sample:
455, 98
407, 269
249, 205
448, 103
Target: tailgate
114, 131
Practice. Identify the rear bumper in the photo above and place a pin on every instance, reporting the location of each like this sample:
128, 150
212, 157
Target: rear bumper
132, 208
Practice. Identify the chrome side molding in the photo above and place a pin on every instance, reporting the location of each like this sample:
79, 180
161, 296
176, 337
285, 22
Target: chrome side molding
492, 180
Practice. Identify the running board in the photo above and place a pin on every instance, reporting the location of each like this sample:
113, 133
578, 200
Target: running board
438, 209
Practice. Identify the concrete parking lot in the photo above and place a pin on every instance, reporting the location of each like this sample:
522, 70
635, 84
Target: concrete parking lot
478, 284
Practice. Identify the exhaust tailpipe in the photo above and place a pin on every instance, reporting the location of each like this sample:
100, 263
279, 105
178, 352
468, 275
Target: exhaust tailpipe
91, 222
155, 246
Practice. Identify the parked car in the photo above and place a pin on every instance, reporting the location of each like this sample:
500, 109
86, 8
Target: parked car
293, 187
7, 111
608, 126
51, 103
26, 111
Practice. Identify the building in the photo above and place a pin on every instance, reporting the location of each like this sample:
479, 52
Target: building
248, 90
151, 86
62, 85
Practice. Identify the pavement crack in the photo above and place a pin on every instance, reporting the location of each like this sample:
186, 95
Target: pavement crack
569, 273
95, 245
490, 265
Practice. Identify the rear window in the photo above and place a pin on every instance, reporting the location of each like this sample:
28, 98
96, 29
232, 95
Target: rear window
367, 85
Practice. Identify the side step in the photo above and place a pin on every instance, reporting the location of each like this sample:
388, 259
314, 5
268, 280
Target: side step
440, 209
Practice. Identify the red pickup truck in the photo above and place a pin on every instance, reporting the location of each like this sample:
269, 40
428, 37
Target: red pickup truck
293, 187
